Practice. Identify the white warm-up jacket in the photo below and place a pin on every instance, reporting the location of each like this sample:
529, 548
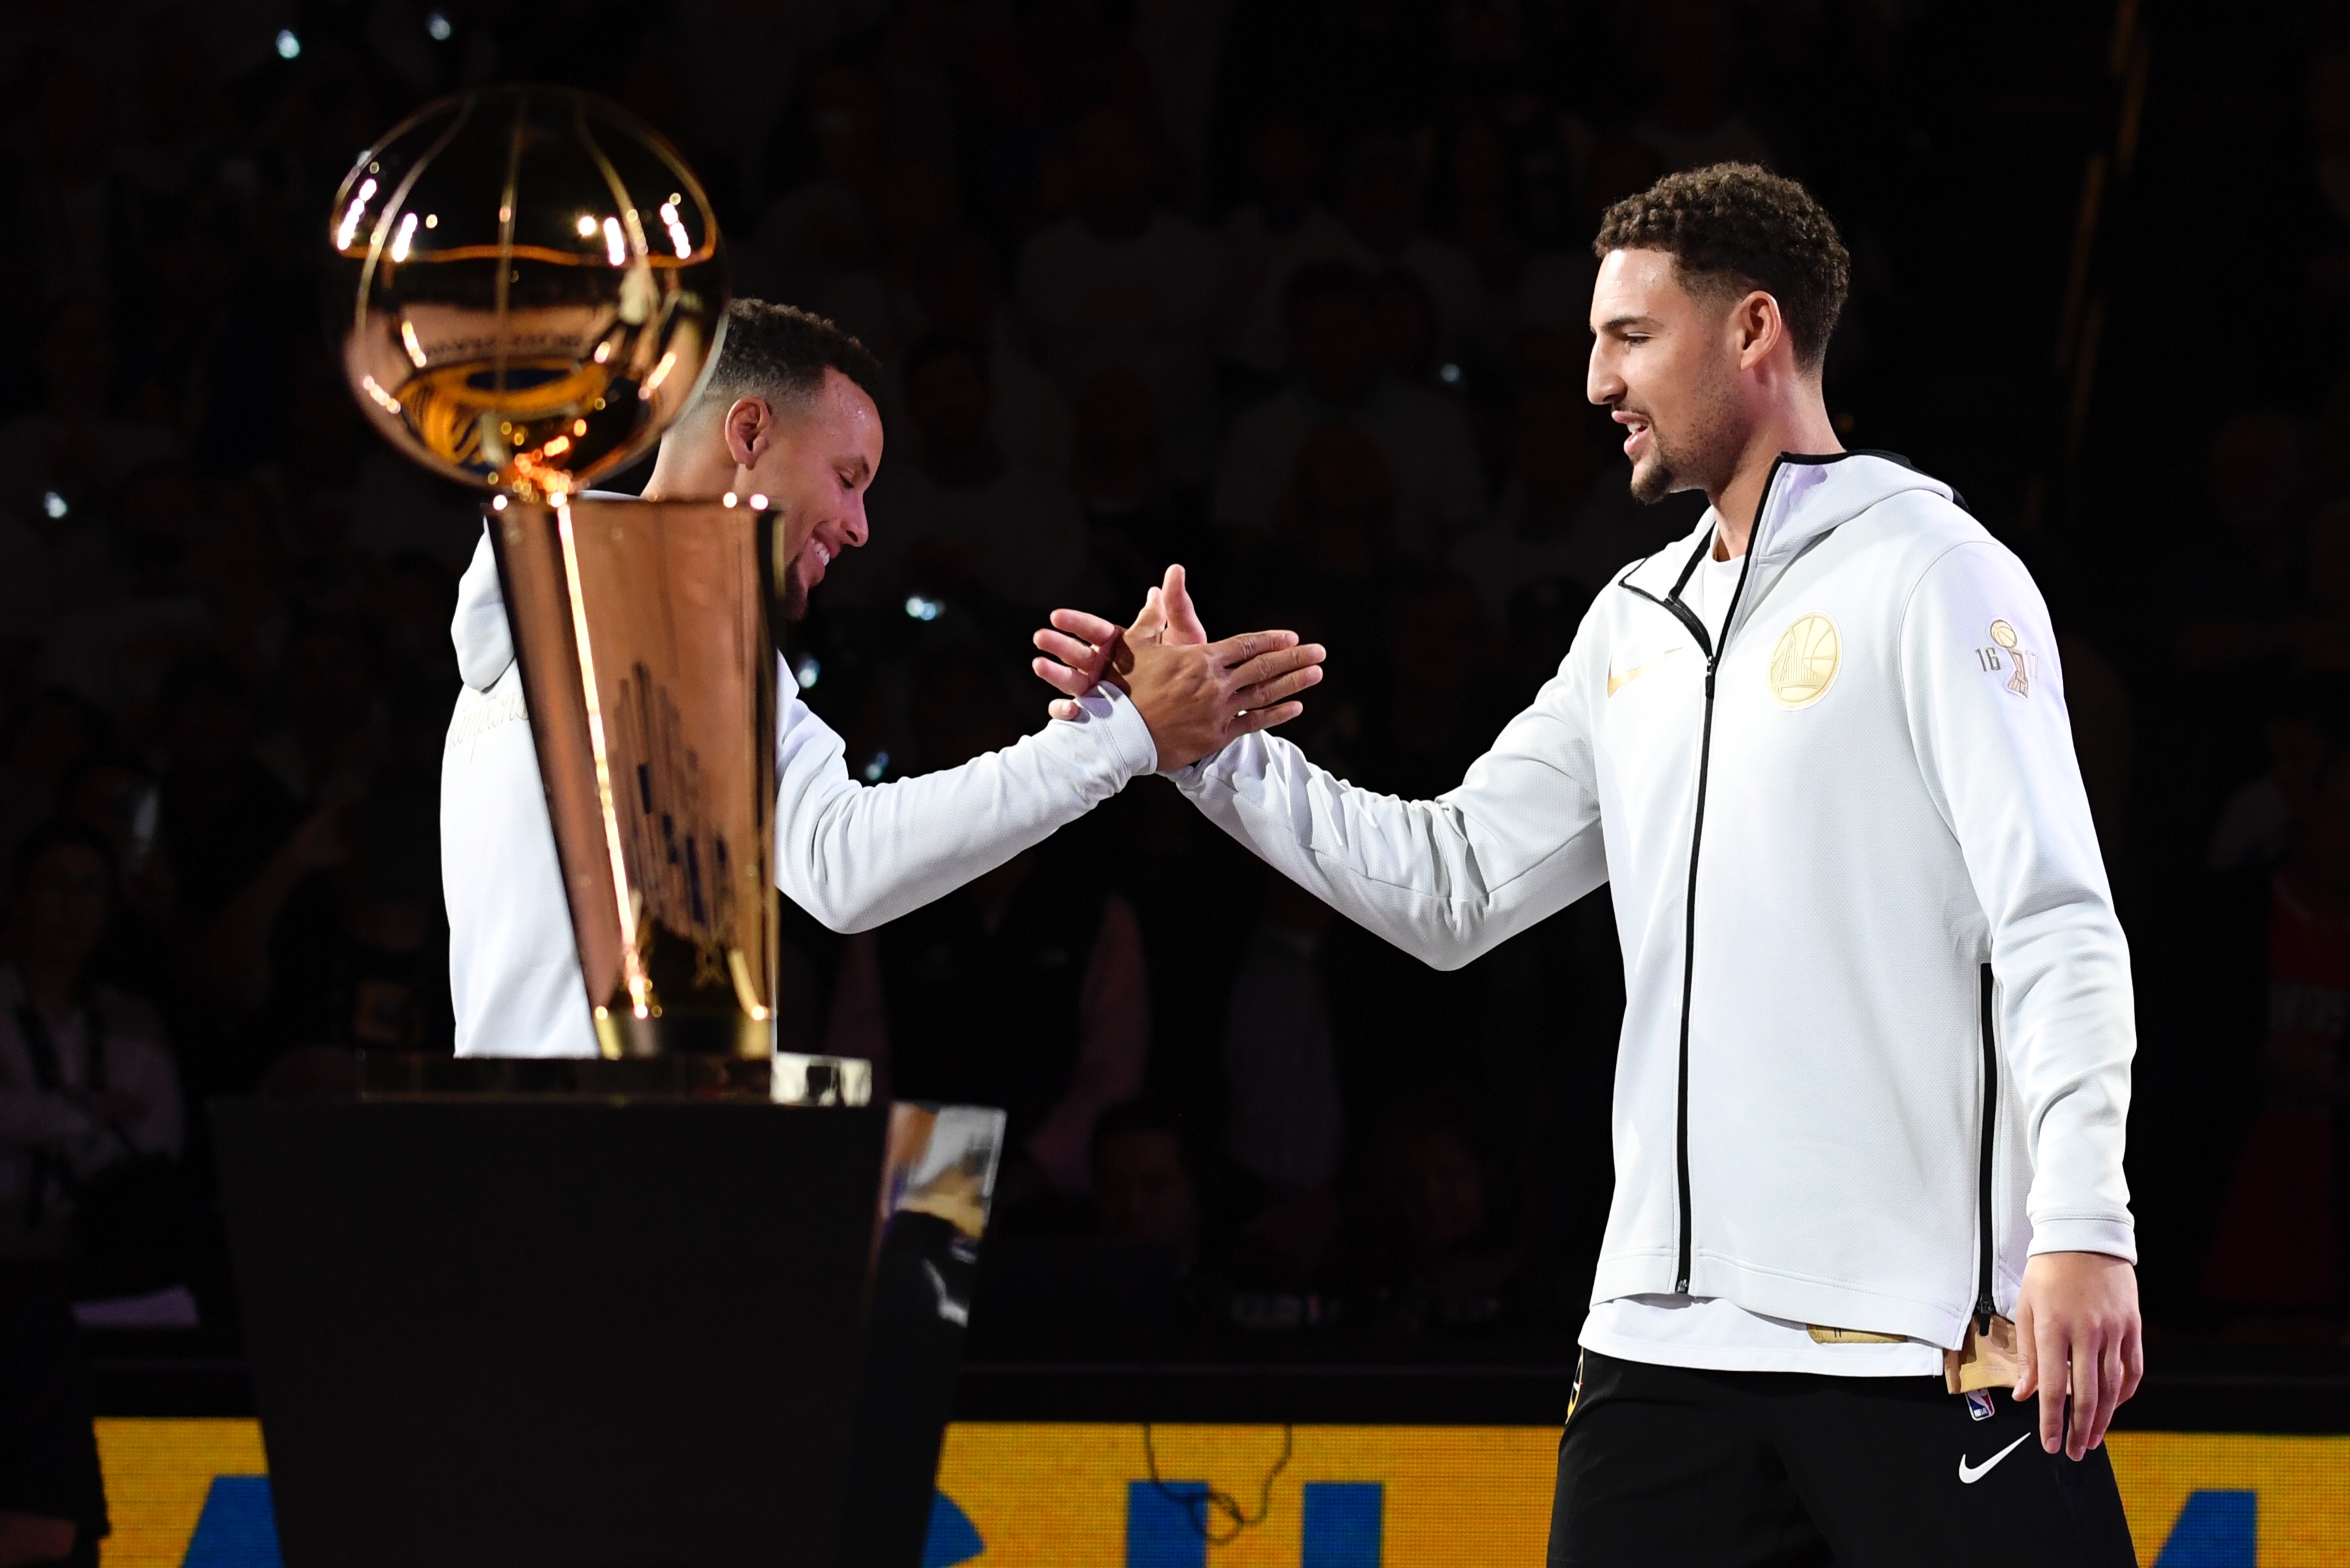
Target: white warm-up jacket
1819, 835
853, 856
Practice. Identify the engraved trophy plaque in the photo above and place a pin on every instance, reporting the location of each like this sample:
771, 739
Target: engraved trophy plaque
536, 288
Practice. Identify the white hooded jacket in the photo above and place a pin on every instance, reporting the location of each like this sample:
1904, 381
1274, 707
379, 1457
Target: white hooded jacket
851, 855
1817, 840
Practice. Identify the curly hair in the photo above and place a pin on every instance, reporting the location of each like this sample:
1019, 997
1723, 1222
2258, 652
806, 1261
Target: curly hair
781, 352
1734, 227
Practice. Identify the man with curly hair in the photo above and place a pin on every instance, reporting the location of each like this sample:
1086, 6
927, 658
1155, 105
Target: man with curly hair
1874, 1064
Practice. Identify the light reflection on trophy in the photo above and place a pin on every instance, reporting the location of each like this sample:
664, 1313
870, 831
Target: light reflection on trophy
537, 287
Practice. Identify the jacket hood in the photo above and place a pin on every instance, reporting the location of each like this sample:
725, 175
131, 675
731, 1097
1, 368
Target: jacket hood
485, 645
1813, 496
1806, 499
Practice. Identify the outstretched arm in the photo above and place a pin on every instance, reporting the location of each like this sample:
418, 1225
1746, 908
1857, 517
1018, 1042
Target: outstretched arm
1442, 879
855, 856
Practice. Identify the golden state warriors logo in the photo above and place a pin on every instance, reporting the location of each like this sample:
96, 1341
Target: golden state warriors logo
1804, 665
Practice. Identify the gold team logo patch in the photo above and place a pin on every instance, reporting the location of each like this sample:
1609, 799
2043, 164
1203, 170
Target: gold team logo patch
1804, 666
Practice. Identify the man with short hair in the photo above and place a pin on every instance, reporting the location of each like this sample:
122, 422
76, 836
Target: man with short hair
1875, 1064
789, 412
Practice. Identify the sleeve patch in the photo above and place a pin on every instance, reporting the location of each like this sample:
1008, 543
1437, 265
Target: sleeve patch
2006, 655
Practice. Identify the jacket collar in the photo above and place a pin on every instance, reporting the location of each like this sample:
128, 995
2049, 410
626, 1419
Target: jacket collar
1805, 499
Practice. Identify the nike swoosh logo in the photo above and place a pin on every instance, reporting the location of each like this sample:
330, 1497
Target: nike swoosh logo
1969, 1474
1617, 682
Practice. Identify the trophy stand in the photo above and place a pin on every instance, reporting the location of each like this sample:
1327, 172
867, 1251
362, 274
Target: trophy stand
546, 1330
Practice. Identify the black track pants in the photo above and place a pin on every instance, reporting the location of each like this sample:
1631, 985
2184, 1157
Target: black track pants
1665, 1465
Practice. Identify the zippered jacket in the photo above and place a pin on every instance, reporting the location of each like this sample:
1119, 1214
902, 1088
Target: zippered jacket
1827, 833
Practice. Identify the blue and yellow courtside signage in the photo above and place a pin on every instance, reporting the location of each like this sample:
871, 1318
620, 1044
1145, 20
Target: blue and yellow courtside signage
193, 1494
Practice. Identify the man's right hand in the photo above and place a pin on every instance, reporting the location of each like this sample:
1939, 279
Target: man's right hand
1198, 699
1196, 696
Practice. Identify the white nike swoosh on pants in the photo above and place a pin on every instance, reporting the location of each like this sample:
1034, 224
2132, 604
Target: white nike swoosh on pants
1969, 1474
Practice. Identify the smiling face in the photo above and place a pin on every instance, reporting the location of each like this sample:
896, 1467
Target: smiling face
814, 465
1664, 363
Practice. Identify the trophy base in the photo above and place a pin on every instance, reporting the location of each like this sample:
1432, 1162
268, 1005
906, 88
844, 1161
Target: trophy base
623, 1035
401, 1076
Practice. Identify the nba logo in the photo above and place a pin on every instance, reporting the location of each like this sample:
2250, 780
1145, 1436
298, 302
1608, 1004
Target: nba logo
1981, 1407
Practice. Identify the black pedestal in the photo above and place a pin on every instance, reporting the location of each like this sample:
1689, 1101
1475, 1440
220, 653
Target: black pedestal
578, 1333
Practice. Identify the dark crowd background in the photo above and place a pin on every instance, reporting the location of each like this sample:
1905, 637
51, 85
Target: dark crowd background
1292, 291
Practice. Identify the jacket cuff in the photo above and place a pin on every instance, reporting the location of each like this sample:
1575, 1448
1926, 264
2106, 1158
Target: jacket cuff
1123, 729
2114, 1238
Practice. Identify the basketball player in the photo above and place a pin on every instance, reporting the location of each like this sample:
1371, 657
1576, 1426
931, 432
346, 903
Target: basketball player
789, 412
1874, 1062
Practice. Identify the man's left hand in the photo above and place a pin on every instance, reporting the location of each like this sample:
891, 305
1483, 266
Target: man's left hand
2077, 1326
1087, 647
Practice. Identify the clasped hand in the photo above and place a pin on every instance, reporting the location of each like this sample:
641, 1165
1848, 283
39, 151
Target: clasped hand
1196, 696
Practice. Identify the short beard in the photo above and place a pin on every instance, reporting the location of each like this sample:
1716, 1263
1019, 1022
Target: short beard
1716, 439
1658, 480
795, 595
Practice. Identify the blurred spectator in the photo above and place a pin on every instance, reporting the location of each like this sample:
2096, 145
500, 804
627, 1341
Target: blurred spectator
1267, 240
329, 731
964, 522
1403, 322
1421, 435
2322, 638
1380, 200
235, 567
1692, 123
1339, 521
2277, 1257
1437, 711
744, 62
48, 737
960, 299
1285, 1122
86, 1081
224, 814
819, 246
1555, 288
1145, 1191
116, 799
1025, 989
1179, 43
2327, 106
1461, 1250
412, 599
2256, 828
1484, 215
1126, 283
52, 1490
60, 471
1137, 519
82, 215
922, 57
2237, 582
340, 938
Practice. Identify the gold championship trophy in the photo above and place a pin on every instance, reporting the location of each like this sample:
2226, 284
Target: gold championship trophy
537, 288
